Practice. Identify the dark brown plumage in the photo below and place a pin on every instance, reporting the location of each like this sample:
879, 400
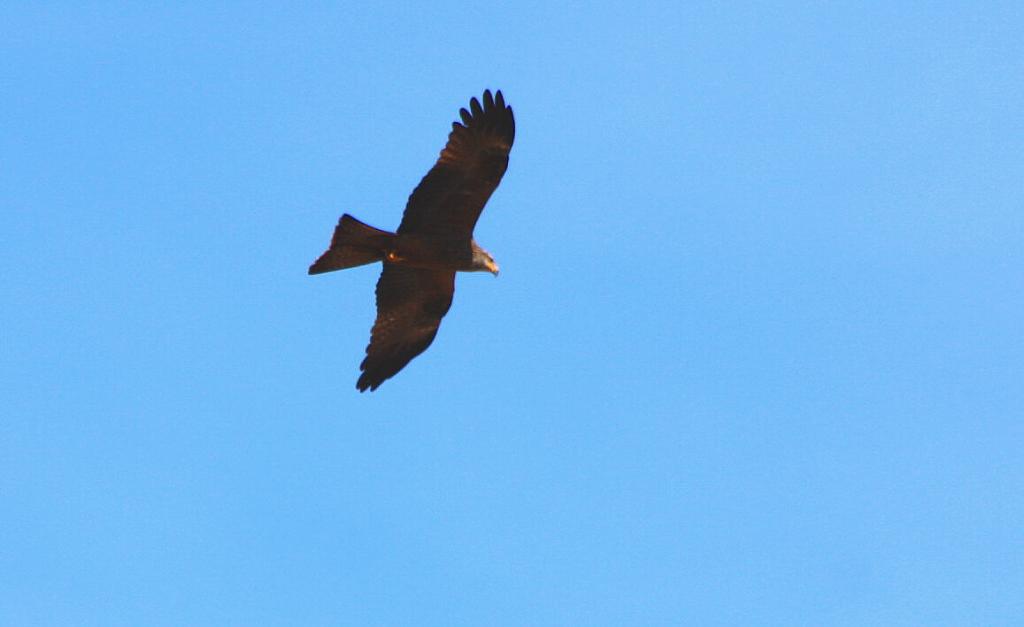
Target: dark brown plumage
433, 242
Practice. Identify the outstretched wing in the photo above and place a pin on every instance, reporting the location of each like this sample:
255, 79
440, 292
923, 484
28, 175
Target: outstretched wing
410, 305
449, 199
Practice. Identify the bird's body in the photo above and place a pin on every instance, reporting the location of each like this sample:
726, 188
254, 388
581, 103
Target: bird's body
433, 242
417, 251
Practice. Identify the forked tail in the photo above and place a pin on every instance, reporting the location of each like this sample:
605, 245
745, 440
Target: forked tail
354, 244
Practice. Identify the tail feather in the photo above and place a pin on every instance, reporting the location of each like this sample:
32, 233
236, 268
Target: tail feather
354, 244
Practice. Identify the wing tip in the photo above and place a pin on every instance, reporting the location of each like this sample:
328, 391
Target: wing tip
369, 382
493, 114
491, 100
494, 100
365, 382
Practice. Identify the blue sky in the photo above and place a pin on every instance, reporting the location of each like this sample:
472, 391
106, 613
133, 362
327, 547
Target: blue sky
754, 356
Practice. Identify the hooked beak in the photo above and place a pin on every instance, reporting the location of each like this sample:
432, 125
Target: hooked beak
492, 268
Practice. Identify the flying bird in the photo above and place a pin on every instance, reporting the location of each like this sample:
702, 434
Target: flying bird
433, 242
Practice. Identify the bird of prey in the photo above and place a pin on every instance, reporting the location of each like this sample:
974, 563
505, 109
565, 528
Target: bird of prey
433, 242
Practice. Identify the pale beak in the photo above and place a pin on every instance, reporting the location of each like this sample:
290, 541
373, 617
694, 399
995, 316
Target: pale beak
492, 268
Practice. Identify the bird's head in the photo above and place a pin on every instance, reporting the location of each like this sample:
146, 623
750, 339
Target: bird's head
482, 260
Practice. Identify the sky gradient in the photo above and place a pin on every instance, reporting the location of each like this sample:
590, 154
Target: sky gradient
754, 356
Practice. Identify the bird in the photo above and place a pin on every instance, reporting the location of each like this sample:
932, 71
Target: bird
433, 242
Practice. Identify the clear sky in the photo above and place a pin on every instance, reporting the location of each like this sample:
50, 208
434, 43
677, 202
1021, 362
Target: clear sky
755, 355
